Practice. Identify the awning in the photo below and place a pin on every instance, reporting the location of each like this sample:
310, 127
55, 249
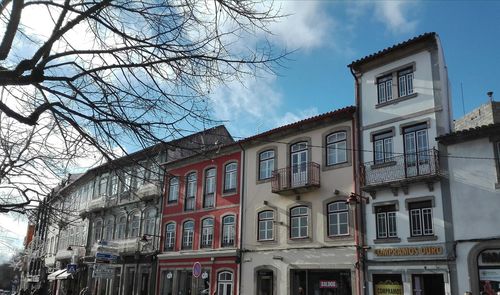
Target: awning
61, 274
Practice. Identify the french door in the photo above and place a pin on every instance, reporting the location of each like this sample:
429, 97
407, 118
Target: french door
298, 160
417, 158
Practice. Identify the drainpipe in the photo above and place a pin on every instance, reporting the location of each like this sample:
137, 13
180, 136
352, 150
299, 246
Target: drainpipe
358, 219
242, 189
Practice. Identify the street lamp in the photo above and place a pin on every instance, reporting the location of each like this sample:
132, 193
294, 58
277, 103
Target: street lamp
356, 198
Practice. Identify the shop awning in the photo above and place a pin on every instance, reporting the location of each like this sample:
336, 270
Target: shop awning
61, 274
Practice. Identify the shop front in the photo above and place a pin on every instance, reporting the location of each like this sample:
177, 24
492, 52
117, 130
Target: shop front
415, 270
320, 282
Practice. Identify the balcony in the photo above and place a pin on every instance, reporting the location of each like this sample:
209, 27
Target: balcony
399, 171
296, 179
148, 191
101, 203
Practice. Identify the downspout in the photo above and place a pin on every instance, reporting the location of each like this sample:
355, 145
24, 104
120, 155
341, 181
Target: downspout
242, 189
359, 216
160, 222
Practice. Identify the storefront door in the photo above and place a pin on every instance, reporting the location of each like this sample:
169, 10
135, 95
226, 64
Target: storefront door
265, 282
185, 278
321, 282
428, 284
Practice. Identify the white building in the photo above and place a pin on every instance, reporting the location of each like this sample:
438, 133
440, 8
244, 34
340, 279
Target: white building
474, 177
403, 104
298, 231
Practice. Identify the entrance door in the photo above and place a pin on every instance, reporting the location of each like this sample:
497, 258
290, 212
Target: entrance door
428, 284
299, 164
265, 282
185, 282
225, 283
417, 160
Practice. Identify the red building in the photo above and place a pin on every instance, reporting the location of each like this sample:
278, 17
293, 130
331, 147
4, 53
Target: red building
200, 224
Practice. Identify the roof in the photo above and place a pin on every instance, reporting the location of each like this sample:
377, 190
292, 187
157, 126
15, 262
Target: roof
470, 134
342, 113
393, 48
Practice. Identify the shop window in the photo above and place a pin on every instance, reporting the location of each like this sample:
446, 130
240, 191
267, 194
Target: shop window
338, 219
266, 164
387, 284
299, 222
386, 221
169, 236
316, 281
209, 191
228, 231
266, 225
230, 177
167, 282
225, 283
488, 265
421, 218
207, 233
173, 190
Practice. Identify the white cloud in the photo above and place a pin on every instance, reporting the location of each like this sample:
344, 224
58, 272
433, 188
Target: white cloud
290, 117
395, 15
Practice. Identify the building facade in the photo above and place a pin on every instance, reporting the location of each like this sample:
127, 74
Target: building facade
403, 104
474, 177
298, 230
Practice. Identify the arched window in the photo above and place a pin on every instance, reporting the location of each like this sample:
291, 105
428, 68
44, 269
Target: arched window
173, 190
209, 191
225, 283
336, 148
170, 236
149, 221
135, 224
190, 192
207, 232
228, 231
338, 219
121, 226
299, 222
230, 176
266, 164
187, 235
266, 225
97, 230
109, 225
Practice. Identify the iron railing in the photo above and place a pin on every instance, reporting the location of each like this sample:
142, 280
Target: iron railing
295, 177
401, 167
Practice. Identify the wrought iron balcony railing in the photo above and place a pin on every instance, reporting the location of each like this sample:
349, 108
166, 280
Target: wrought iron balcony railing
402, 168
296, 179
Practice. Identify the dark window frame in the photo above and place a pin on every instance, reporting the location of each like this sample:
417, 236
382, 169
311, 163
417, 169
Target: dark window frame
209, 197
190, 199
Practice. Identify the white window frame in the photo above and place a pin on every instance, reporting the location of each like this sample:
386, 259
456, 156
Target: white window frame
384, 89
207, 233
191, 190
228, 231
405, 82
335, 214
173, 190
266, 164
336, 144
187, 235
223, 283
230, 177
170, 236
300, 216
265, 226
210, 185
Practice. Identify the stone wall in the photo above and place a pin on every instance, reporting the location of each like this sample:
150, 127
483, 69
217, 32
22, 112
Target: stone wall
488, 113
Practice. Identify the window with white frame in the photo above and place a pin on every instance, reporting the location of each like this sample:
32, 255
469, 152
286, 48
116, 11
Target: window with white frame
338, 218
121, 226
97, 230
386, 221
103, 185
187, 234
266, 225
266, 164
405, 82
299, 222
135, 224
114, 185
209, 191
207, 233
383, 147
228, 231
225, 283
336, 148
173, 190
230, 177
421, 218
384, 88
190, 199
150, 221
169, 236
108, 229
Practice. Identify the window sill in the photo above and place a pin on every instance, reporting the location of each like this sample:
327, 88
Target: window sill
339, 238
266, 242
396, 100
299, 240
422, 238
336, 166
383, 165
229, 193
387, 241
170, 204
259, 181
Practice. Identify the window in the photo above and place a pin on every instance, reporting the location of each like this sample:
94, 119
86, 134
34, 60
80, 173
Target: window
266, 164
103, 185
173, 190
384, 88
421, 218
126, 180
150, 222
230, 175
114, 185
228, 231
169, 236
207, 232
121, 226
209, 194
405, 82
298, 159
299, 222
266, 225
187, 235
108, 229
135, 224
382, 147
386, 222
225, 283
338, 219
190, 192
97, 230
336, 148
417, 161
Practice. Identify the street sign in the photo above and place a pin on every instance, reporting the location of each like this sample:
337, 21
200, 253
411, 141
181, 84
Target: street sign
71, 268
196, 269
103, 271
105, 257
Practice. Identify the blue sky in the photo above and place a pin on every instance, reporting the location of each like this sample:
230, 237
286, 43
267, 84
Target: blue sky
331, 34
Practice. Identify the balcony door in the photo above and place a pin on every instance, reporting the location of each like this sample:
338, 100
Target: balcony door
298, 160
417, 161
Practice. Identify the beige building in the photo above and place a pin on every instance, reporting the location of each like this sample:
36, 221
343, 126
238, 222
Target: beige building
298, 233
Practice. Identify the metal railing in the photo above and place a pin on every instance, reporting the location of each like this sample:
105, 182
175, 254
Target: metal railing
297, 176
401, 167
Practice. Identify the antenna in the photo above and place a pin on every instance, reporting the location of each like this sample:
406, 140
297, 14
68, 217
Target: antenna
462, 90
490, 95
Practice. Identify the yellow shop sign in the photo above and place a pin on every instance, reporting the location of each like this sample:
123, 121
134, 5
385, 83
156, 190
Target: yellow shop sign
410, 251
388, 288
